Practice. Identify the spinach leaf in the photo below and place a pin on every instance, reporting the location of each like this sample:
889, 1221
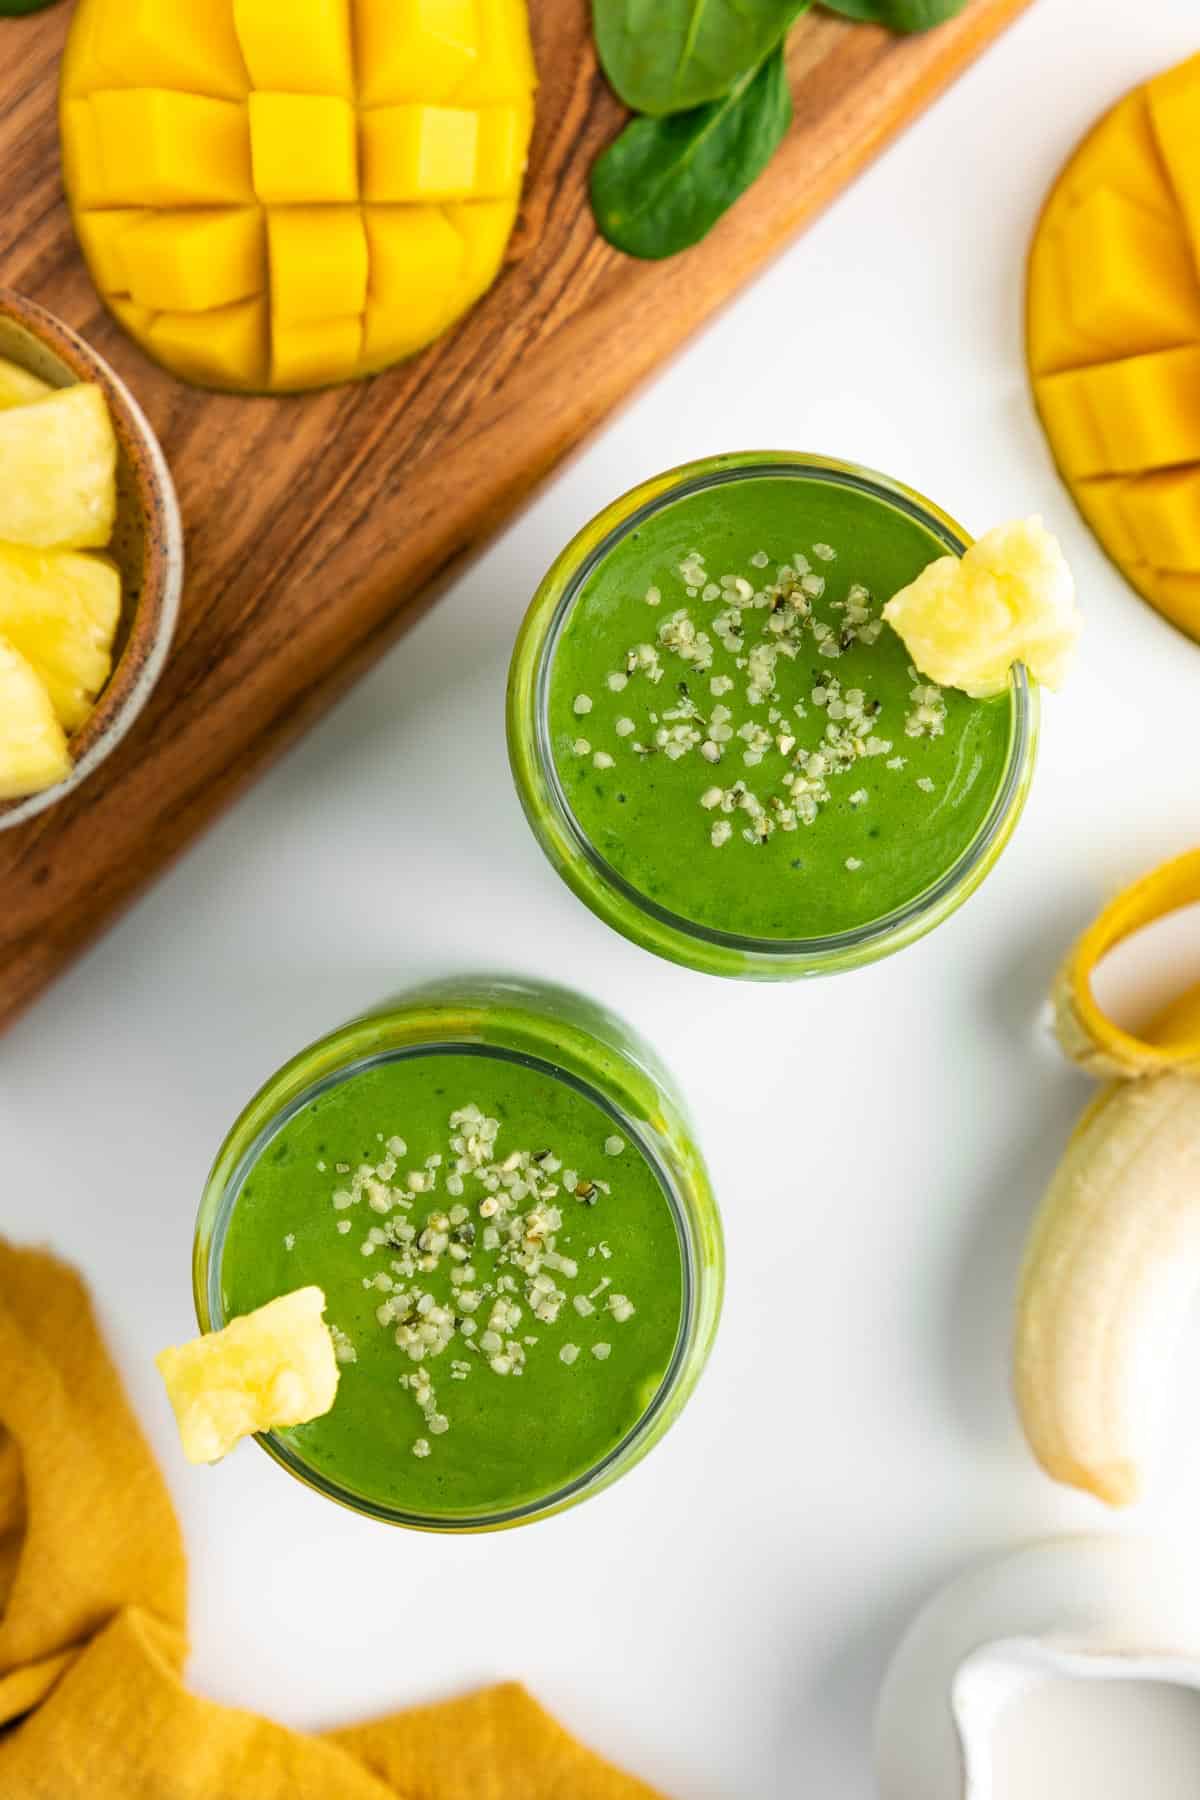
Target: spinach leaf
899, 15
664, 56
664, 183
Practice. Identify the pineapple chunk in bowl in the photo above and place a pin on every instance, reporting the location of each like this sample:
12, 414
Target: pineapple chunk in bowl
146, 546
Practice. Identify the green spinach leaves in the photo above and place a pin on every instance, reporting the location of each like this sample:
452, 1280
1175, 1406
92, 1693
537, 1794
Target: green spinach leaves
710, 79
663, 56
899, 15
665, 182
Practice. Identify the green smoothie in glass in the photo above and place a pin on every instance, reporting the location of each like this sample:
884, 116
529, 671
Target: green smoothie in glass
515, 1237
726, 750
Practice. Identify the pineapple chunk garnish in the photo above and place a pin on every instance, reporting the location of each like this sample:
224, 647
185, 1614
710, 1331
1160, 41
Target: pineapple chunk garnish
58, 471
61, 609
270, 1368
33, 747
18, 387
966, 621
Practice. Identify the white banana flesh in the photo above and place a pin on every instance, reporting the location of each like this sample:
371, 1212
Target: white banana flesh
1110, 1272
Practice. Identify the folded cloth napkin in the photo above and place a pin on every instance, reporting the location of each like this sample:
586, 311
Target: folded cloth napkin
93, 1609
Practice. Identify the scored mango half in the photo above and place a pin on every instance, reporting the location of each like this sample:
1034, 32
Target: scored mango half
284, 194
1113, 336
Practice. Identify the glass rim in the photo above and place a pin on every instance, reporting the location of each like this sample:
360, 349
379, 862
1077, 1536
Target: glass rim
217, 1210
561, 587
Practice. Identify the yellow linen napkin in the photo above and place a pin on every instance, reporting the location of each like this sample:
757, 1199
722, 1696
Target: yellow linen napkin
92, 1621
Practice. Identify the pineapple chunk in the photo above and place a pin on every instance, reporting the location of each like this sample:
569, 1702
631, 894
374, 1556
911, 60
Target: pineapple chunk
58, 464
1010, 599
273, 1367
18, 387
33, 749
60, 609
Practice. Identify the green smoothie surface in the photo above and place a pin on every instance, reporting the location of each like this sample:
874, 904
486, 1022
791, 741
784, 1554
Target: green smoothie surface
502, 1270
739, 735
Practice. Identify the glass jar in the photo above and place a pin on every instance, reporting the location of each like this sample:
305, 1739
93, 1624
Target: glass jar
561, 1035
639, 917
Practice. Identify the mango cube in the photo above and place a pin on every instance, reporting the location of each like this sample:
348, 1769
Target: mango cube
225, 348
60, 609
33, 747
419, 153
1055, 340
136, 319
160, 148
218, 155
413, 250
503, 142
316, 354
99, 235
192, 261
1146, 409
266, 1370
414, 49
395, 330
58, 471
1099, 500
1177, 596
1175, 115
1162, 513
190, 45
18, 387
1067, 415
303, 148
504, 69
297, 46
1121, 153
83, 171
486, 227
1131, 284
319, 263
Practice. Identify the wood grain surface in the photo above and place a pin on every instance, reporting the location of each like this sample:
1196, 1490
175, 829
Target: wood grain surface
318, 527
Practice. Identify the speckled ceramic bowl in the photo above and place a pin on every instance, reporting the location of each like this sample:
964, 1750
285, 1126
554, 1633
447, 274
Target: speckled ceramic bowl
147, 543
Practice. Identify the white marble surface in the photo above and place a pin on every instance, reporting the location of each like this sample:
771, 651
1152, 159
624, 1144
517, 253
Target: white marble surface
720, 1620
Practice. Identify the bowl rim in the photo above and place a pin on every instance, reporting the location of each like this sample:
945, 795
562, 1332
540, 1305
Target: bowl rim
156, 613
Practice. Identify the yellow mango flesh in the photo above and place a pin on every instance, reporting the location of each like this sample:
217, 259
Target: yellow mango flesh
160, 148
415, 49
1113, 336
189, 261
240, 173
297, 46
188, 45
303, 149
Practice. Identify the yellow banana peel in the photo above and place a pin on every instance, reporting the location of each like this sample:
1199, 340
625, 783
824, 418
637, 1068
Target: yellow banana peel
1086, 1033
1113, 1259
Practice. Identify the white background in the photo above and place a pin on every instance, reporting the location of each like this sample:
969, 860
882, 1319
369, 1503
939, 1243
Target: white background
721, 1619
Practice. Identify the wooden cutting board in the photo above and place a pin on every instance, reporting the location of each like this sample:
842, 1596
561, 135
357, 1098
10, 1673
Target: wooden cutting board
319, 527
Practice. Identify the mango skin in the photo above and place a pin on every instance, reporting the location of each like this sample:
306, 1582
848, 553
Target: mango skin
275, 138
1113, 336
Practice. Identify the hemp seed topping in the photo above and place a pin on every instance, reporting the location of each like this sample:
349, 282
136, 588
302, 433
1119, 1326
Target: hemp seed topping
744, 631
527, 1277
